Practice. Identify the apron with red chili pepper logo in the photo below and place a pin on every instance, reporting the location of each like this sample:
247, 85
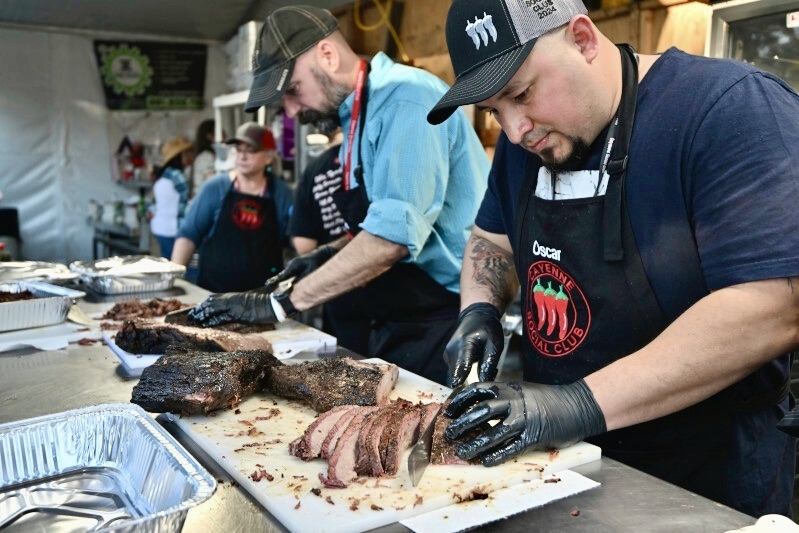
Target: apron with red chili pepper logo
244, 249
587, 302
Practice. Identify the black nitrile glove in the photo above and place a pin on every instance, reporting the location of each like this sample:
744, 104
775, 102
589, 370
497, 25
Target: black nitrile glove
302, 265
530, 415
478, 339
252, 307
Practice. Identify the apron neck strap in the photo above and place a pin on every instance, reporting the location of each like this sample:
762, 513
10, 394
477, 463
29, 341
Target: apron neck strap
616, 155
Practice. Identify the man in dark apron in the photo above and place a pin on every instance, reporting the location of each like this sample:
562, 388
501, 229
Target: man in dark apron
409, 194
666, 361
239, 219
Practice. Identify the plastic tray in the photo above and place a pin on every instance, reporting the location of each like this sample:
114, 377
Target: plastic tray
50, 305
128, 274
103, 468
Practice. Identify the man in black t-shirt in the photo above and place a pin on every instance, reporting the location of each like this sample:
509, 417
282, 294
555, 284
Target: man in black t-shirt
316, 221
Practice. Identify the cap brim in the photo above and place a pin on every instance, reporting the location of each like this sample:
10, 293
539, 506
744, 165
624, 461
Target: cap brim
244, 140
480, 83
268, 85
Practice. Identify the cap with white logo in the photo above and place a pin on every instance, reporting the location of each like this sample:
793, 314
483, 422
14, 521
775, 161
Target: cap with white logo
489, 39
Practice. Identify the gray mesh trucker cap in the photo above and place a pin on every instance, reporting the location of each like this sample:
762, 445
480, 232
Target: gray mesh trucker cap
489, 39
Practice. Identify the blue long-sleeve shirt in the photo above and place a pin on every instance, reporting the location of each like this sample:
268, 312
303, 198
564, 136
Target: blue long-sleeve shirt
424, 182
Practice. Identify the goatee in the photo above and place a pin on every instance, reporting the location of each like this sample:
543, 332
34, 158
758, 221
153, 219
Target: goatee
574, 161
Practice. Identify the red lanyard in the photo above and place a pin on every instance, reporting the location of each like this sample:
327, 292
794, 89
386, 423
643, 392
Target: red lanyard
356, 112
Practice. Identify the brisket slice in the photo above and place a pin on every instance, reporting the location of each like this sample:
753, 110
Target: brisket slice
309, 445
373, 453
341, 463
402, 433
191, 383
142, 336
373, 425
330, 441
329, 382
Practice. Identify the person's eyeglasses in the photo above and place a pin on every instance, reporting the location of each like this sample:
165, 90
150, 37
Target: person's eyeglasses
246, 149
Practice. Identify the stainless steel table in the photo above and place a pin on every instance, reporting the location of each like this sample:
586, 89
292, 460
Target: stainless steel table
34, 383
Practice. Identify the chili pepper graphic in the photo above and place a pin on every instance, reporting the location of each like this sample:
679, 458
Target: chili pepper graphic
552, 311
538, 298
561, 301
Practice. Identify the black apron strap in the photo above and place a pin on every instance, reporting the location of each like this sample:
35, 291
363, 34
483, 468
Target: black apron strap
620, 133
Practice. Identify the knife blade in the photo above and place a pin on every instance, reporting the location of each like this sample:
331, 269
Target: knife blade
419, 458
179, 317
272, 283
77, 315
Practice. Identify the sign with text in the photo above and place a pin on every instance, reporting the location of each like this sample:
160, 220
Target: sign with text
151, 75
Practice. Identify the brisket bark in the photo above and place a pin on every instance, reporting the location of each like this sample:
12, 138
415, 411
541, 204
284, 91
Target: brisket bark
141, 336
192, 383
329, 382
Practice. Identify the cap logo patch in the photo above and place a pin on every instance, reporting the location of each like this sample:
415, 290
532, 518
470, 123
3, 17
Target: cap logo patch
282, 80
481, 29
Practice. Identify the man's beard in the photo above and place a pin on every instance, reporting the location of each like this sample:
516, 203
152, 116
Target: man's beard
573, 161
327, 119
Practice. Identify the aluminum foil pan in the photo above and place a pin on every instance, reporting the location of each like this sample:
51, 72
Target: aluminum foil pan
104, 468
50, 305
128, 274
29, 270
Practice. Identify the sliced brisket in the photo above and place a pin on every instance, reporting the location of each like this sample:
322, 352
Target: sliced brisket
309, 445
341, 463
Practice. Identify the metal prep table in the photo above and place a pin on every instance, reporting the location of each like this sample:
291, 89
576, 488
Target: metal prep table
35, 383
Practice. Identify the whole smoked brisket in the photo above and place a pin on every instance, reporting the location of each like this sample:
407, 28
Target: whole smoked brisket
141, 336
334, 381
192, 383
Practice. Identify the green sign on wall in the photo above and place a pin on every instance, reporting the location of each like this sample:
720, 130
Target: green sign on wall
151, 75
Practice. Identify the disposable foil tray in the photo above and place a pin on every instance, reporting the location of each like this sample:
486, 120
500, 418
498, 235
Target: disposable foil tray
128, 274
104, 468
35, 270
50, 305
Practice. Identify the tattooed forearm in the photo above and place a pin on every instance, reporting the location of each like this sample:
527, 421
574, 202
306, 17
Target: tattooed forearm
493, 269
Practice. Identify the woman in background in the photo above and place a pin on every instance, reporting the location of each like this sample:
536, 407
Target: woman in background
203, 167
171, 193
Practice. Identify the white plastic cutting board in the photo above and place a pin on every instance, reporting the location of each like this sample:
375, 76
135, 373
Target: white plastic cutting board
255, 437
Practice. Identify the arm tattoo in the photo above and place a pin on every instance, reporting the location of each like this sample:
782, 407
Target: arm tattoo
494, 270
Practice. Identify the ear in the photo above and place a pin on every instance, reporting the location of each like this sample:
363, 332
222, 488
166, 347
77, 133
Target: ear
585, 36
327, 56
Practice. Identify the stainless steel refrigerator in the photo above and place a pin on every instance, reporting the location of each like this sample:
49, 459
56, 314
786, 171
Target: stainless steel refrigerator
764, 33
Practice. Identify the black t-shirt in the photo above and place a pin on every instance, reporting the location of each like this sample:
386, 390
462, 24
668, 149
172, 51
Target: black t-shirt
315, 214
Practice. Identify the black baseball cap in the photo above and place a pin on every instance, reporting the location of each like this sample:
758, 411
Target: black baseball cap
488, 40
287, 32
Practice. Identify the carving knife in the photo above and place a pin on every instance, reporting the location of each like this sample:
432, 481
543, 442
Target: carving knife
419, 458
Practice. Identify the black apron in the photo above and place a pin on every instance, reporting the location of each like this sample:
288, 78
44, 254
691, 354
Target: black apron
413, 316
244, 249
587, 302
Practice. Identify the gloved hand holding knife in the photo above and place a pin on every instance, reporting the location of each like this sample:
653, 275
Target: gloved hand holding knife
530, 415
264, 305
